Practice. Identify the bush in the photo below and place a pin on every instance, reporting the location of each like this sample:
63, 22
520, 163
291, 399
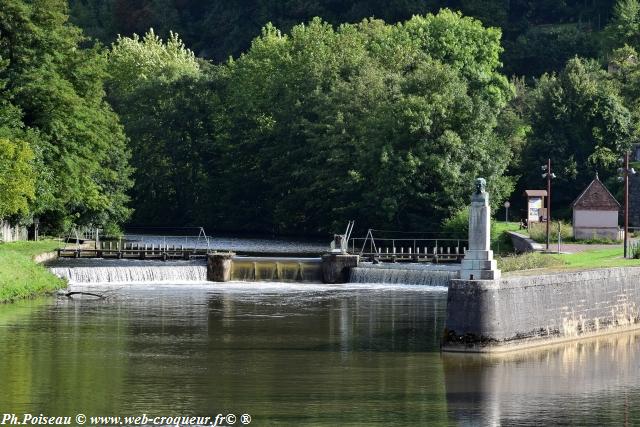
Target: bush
528, 261
635, 250
458, 223
538, 231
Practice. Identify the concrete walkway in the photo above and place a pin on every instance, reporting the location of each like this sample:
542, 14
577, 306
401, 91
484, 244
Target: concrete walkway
522, 243
577, 247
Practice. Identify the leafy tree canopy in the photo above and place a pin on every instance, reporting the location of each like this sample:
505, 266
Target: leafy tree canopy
53, 89
580, 120
17, 183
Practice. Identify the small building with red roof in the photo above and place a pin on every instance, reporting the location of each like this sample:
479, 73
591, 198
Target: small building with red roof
596, 213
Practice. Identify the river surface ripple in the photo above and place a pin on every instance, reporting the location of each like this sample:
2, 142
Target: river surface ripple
295, 354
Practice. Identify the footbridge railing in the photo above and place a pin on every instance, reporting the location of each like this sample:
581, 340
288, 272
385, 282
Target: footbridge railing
138, 246
384, 245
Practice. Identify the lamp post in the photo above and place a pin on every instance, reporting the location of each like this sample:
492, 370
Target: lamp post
624, 176
548, 175
507, 205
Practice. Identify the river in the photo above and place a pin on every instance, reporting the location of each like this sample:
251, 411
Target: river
294, 354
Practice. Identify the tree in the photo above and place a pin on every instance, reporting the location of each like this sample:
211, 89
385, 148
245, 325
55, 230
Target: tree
624, 27
134, 61
579, 120
56, 90
386, 124
17, 178
168, 112
540, 36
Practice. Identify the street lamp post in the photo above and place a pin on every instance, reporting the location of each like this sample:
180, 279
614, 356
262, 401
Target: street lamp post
507, 205
548, 175
625, 172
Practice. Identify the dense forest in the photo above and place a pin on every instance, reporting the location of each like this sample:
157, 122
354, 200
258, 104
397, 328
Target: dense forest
538, 36
295, 116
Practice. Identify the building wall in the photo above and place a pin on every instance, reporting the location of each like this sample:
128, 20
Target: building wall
589, 224
595, 219
584, 233
516, 312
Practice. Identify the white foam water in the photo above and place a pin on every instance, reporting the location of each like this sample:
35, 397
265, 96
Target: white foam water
133, 273
405, 274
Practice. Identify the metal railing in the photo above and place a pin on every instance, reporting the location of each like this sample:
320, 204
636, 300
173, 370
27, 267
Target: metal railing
407, 247
90, 242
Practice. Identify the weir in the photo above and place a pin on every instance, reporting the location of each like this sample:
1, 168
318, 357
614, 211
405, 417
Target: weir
128, 273
280, 269
248, 269
409, 274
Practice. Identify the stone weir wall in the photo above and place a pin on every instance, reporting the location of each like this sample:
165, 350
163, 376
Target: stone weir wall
526, 311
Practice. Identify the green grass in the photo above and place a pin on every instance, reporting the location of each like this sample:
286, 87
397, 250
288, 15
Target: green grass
20, 276
598, 259
601, 258
500, 240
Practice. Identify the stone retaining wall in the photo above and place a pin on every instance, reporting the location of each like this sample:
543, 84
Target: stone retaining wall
45, 257
522, 243
518, 312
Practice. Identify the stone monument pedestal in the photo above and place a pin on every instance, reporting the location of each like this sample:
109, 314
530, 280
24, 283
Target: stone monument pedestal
478, 262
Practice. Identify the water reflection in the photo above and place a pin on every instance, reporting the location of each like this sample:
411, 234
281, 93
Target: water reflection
586, 383
286, 354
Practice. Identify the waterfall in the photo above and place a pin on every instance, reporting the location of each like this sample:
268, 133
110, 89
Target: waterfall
277, 269
407, 274
133, 273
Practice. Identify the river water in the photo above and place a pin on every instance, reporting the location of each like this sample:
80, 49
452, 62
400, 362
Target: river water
294, 354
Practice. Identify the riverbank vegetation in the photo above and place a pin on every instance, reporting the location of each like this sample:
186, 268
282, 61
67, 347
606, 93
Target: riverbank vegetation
20, 276
324, 115
598, 258
528, 261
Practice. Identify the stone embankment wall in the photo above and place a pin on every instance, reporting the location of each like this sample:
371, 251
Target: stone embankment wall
522, 243
520, 312
45, 257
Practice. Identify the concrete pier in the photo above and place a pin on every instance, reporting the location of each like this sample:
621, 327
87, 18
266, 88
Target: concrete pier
336, 267
219, 266
521, 312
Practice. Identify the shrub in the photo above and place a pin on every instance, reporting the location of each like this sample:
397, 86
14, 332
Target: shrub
458, 223
528, 261
538, 231
635, 250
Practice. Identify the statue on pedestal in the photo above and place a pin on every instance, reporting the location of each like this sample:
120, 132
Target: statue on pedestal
478, 262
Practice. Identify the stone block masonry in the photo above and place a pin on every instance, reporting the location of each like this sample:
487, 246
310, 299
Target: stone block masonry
527, 311
336, 267
219, 266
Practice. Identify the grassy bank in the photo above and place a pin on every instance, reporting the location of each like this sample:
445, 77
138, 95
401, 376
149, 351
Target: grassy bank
500, 241
20, 276
601, 258
611, 257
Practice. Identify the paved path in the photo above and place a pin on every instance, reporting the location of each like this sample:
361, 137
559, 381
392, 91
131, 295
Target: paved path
577, 247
